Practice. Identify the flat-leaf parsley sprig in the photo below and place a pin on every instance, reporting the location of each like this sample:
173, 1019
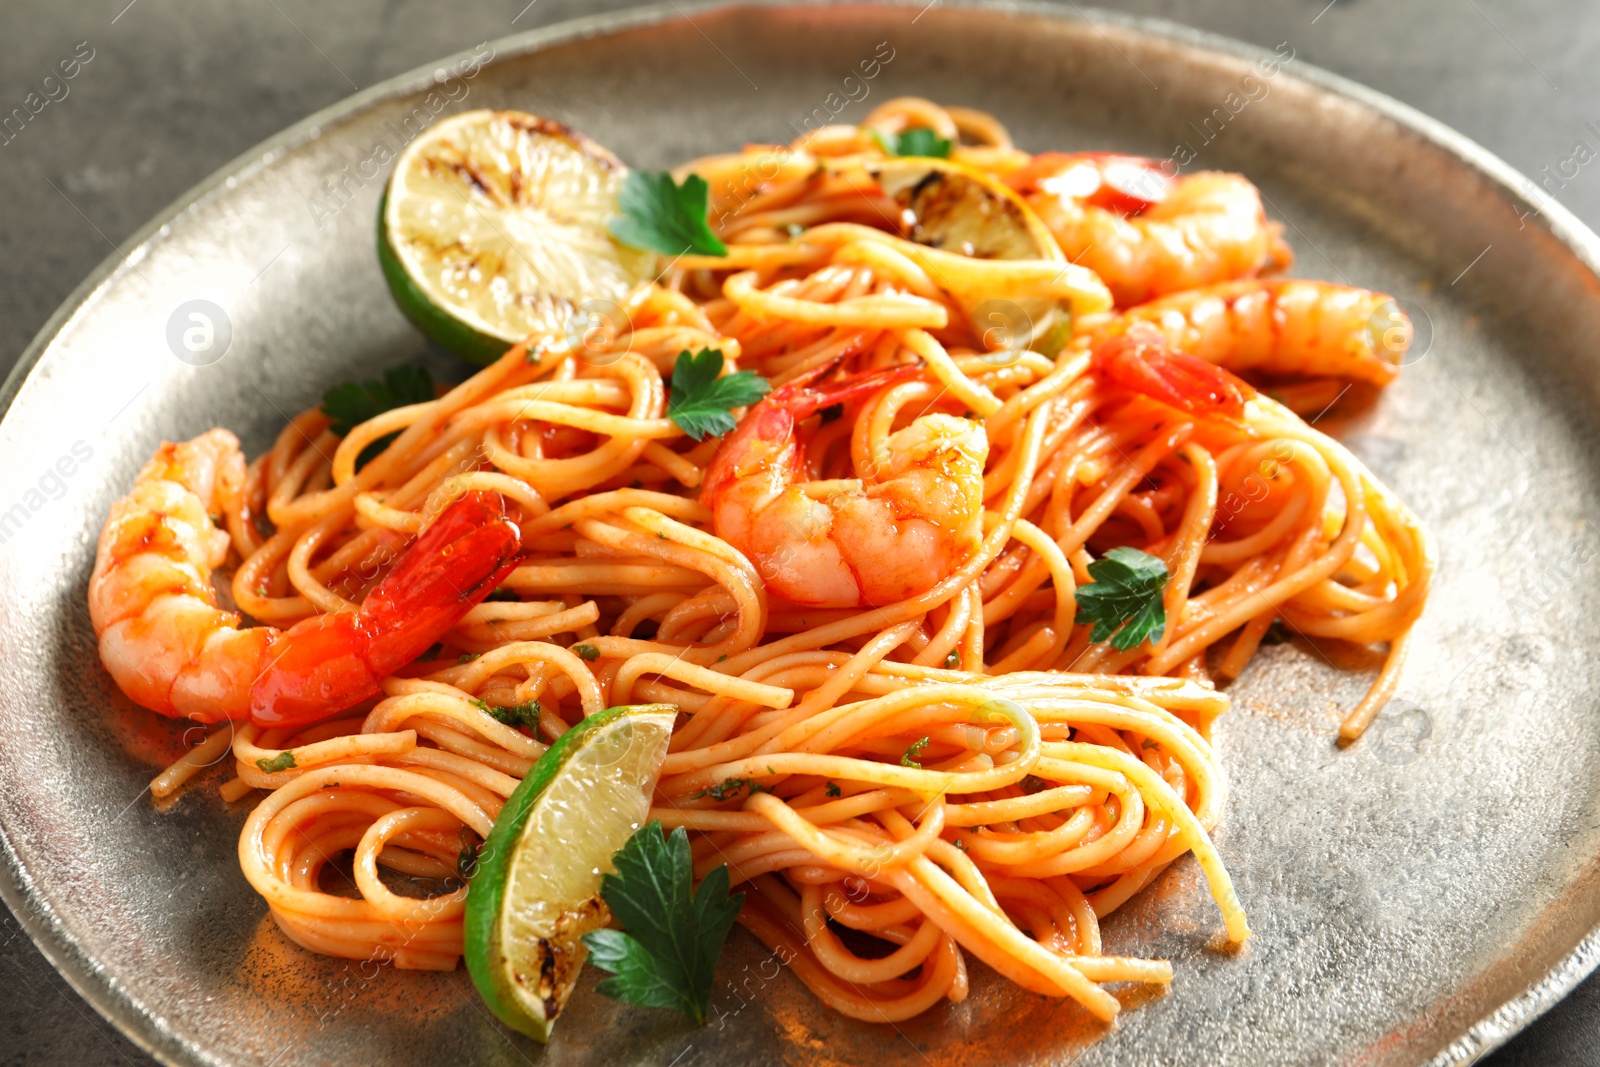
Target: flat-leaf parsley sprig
1125, 599
660, 215
667, 956
702, 399
349, 404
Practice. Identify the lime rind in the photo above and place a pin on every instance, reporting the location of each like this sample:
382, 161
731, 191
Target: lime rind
495, 226
524, 955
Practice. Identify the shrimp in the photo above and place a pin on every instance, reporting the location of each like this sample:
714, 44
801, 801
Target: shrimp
848, 543
170, 648
1284, 327
1148, 233
1142, 360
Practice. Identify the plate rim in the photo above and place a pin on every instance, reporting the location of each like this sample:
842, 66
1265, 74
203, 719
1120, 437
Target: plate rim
119, 1005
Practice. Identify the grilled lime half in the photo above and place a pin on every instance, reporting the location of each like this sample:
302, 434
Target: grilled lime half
496, 225
536, 889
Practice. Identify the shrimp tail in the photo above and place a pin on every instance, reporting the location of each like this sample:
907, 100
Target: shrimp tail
331, 662
801, 398
1142, 360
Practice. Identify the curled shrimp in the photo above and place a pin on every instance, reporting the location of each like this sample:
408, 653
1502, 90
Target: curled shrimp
1284, 327
171, 649
1148, 233
848, 542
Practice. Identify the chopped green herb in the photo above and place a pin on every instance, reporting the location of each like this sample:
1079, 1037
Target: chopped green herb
467, 858
349, 404
702, 400
663, 216
961, 843
283, 761
515, 715
1277, 633
722, 657
503, 593
731, 787
917, 141
1124, 599
833, 790
666, 955
262, 590
952, 661
467, 657
586, 652
909, 759
794, 229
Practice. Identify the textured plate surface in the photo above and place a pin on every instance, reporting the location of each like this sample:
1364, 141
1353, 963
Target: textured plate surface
1415, 897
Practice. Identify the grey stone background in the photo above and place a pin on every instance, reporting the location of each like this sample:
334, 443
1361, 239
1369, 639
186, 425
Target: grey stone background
176, 88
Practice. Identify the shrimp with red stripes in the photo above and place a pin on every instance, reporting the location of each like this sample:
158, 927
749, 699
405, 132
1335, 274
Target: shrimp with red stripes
1147, 232
173, 650
1311, 338
849, 542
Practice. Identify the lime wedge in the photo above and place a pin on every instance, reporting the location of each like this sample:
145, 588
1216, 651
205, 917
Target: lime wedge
495, 226
536, 890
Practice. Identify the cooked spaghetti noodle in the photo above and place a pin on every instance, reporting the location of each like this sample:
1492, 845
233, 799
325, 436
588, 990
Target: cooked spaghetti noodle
960, 771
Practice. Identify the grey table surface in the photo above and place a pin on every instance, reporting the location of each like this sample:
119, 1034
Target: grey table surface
173, 89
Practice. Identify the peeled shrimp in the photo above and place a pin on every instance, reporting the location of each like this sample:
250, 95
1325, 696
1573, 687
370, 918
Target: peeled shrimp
1147, 233
173, 650
1283, 327
849, 542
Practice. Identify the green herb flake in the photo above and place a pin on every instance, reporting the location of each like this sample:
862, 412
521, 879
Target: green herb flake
1124, 599
833, 790
666, 955
467, 858
909, 759
731, 787
952, 661
283, 761
1277, 633
660, 215
703, 400
917, 141
588, 653
516, 715
467, 657
961, 843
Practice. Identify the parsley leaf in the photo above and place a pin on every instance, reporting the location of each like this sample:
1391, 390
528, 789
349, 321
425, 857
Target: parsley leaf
917, 141
909, 759
283, 761
952, 661
349, 404
833, 790
667, 957
1124, 600
702, 400
663, 216
588, 653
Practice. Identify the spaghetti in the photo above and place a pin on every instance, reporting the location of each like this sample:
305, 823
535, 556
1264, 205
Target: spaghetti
959, 771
